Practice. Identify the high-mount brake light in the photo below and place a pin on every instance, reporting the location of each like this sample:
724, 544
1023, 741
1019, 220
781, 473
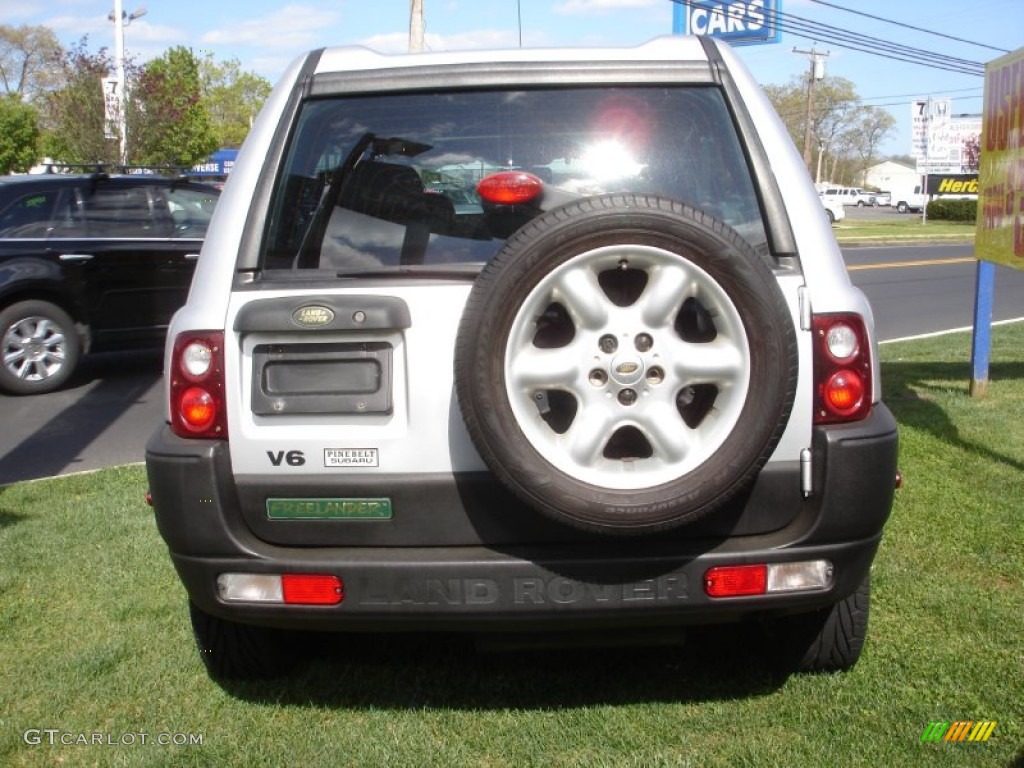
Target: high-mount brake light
842, 369
510, 188
197, 385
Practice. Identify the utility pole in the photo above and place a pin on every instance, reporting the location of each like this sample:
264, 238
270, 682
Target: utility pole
817, 72
121, 19
122, 130
415, 26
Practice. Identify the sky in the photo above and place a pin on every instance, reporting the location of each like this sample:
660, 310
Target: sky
265, 35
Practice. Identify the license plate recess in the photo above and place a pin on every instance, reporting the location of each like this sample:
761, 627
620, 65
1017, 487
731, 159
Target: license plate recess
322, 378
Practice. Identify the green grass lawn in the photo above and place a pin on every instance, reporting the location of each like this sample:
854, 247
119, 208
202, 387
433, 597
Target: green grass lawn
903, 229
96, 638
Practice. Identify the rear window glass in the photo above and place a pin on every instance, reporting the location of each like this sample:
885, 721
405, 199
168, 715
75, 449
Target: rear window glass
383, 182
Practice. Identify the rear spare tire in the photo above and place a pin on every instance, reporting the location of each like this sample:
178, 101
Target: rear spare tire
626, 364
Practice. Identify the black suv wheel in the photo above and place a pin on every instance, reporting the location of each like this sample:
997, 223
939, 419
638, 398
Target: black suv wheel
39, 347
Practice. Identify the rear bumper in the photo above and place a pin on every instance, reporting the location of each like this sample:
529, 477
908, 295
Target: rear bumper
581, 582
481, 589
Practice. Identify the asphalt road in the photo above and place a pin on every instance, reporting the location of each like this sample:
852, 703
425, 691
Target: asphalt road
109, 409
923, 289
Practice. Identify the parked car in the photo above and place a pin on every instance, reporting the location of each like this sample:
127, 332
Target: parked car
641, 392
834, 210
848, 196
865, 198
910, 200
90, 263
883, 198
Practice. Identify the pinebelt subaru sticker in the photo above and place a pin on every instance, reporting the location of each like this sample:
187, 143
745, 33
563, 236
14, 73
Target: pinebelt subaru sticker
350, 457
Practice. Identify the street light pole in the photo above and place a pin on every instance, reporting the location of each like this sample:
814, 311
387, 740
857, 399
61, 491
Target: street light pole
415, 26
122, 132
121, 19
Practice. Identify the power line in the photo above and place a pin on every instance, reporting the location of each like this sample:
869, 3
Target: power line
842, 38
809, 29
910, 26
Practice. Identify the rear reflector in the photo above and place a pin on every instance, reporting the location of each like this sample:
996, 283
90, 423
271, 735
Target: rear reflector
736, 580
284, 589
312, 589
763, 579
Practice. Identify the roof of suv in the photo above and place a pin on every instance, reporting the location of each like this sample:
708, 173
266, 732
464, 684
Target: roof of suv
56, 179
668, 49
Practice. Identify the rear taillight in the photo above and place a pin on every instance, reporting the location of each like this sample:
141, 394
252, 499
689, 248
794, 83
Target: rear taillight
842, 369
197, 385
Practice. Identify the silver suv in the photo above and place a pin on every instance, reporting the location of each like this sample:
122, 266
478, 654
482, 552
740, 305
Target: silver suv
522, 341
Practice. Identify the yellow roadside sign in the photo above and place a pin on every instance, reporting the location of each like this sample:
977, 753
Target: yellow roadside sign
1000, 229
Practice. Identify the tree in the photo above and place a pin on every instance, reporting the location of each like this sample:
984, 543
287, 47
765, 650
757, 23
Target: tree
168, 123
30, 58
872, 127
232, 97
72, 115
19, 134
835, 100
846, 133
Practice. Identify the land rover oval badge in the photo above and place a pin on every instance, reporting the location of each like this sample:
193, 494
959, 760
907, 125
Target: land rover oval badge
313, 316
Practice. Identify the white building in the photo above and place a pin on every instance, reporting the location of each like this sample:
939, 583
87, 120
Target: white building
889, 176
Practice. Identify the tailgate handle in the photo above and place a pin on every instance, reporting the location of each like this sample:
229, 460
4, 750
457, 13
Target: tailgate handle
76, 256
349, 312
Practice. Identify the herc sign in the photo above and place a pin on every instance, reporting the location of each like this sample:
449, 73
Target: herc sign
739, 22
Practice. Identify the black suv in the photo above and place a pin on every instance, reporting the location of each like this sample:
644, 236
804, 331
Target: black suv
91, 262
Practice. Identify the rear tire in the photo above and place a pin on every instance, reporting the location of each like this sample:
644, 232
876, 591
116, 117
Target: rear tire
39, 347
233, 651
829, 640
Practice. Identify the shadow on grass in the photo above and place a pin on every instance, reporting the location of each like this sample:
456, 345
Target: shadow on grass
907, 386
441, 671
7, 519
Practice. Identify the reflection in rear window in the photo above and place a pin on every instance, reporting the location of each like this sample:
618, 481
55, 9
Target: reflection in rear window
379, 182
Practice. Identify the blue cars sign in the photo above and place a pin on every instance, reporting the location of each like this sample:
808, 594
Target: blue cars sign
739, 22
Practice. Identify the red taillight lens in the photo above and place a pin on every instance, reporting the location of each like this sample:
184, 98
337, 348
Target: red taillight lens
510, 188
197, 409
844, 392
736, 580
311, 589
197, 385
842, 369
